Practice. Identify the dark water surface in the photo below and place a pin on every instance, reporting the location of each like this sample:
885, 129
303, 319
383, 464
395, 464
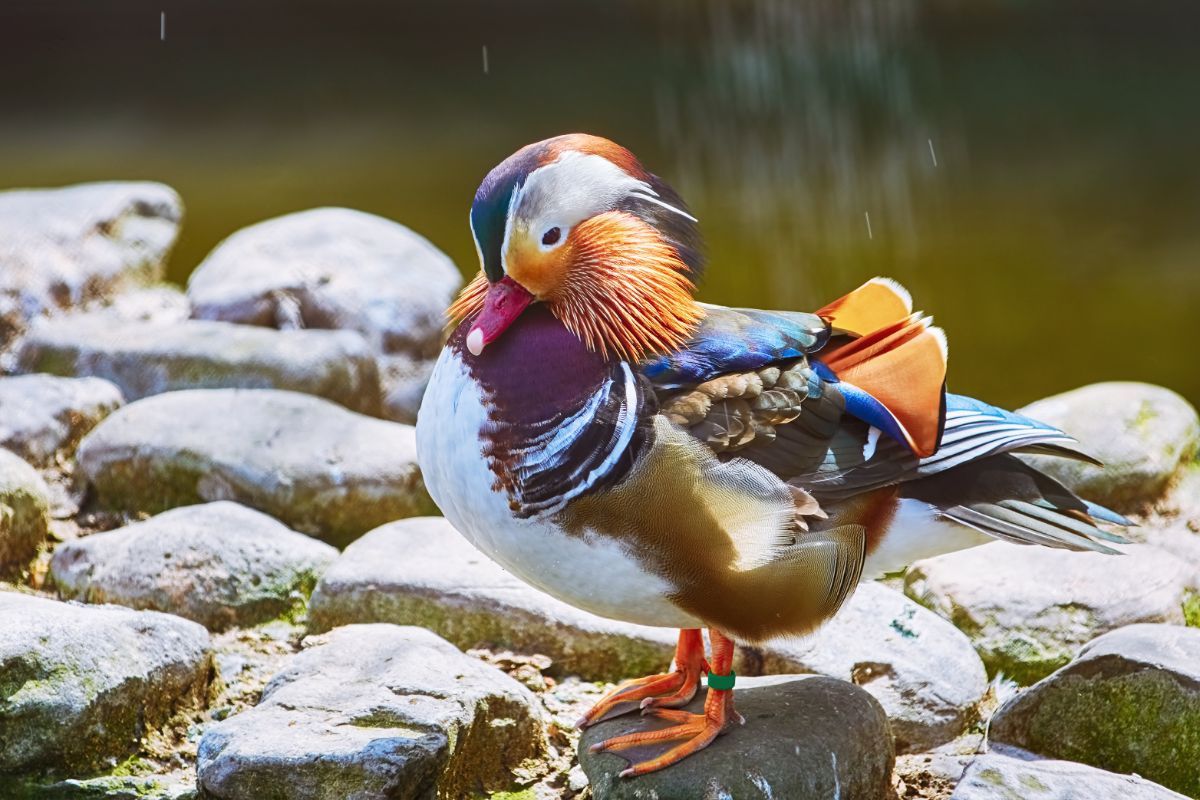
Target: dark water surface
1056, 238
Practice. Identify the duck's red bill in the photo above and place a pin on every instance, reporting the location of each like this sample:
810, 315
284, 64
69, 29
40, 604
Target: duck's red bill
502, 304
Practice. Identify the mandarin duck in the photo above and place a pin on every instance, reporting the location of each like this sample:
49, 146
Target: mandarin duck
646, 457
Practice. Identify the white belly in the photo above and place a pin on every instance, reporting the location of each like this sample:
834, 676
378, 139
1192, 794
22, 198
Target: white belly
591, 572
918, 532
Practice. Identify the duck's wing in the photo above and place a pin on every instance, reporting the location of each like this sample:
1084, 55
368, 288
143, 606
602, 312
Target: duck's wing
746, 375
838, 413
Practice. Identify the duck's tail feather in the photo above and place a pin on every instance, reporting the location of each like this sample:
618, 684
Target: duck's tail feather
893, 371
1004, 497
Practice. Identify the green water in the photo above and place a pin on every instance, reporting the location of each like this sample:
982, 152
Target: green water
1056, 238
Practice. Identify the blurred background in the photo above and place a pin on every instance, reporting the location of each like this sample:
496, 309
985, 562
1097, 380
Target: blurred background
1030, 170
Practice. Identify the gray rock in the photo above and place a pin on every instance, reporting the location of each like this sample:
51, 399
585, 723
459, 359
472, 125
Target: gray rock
315, 466
404, 379
80, 686
375, 711
1028, 610
63, 248
805, 738
1130, 702
158, 303
43, 417
922, 670
997, 777
105, 787
337, 268
24, 513
422, 572
1142, 433
149, 358
219, 564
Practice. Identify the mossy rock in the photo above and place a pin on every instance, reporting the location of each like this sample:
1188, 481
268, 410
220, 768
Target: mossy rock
43, 417
1143, 434
24, 513
219, 564
81, 686
806, 737
376, 711
1028, 610
998, 777
76, 245
309, 463
148, 358
1130, 702
423, 572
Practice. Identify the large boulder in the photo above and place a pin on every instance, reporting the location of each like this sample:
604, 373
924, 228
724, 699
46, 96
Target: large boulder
805, 738
1142, 433
24, 513
1130, 702
1028, 610
375, 712
149, 358
81, 686
921, 669
998, 777
423, 572
337, 268
219, 564
315, 466
43, 417
63, 248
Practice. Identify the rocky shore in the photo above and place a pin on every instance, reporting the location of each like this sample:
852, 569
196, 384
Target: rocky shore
221, 577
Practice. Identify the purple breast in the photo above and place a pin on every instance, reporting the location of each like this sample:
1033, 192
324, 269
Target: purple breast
536, 370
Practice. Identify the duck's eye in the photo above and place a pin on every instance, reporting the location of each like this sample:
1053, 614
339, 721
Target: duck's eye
551, 236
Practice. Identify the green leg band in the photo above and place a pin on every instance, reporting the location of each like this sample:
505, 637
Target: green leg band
722, 681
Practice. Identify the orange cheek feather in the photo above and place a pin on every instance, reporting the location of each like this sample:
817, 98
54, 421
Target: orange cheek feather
542, 273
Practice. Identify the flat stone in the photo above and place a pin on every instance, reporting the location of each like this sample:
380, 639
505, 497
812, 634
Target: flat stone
805, 738
307, 462
158, 303
149, 358
1129, 702
107, 787
219, 564
423, 572
922, 670
1143, 434
997, 777
1028, 610
63, 248
80, 686
375, 711
43, 417
337, 268
24, 513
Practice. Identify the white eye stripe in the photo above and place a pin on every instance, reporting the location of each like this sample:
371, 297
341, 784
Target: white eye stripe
651, 196
508, 220
475, 239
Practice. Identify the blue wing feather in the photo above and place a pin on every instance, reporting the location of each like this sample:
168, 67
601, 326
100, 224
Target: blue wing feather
737, 340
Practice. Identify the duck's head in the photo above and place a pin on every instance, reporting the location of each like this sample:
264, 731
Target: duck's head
575, 222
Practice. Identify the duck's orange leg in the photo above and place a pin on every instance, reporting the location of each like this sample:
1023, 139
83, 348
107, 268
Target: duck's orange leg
675, 688
699, 730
